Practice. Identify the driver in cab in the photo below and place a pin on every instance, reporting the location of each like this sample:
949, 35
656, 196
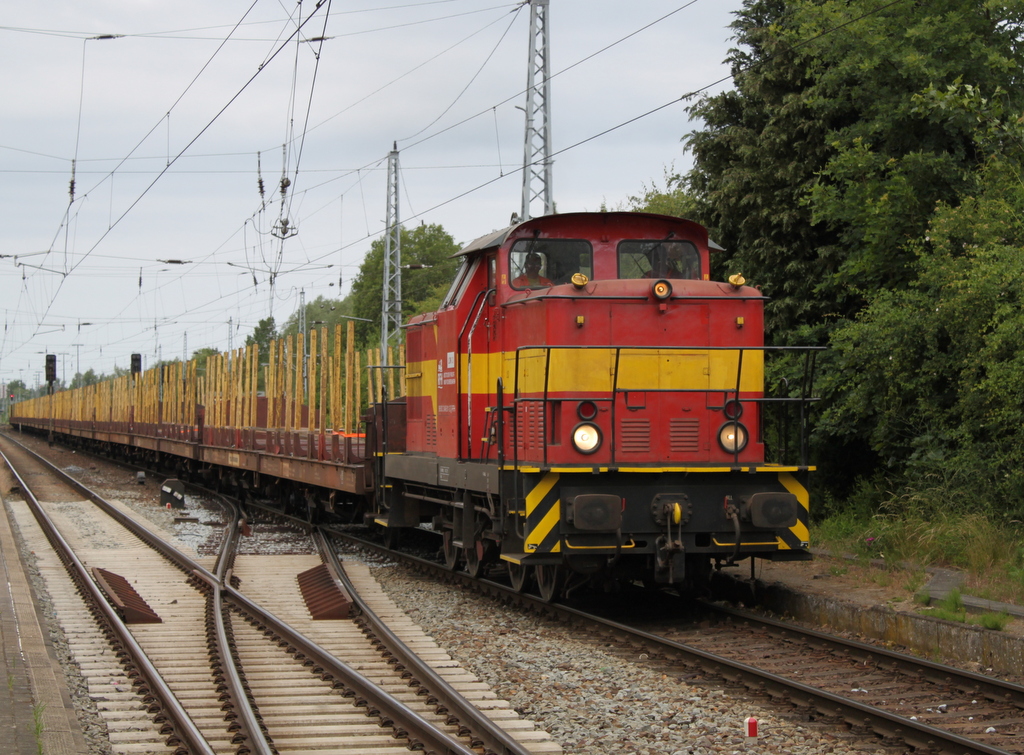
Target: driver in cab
674, 260
531, 277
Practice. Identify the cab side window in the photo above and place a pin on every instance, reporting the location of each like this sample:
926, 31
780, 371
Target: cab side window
461, 281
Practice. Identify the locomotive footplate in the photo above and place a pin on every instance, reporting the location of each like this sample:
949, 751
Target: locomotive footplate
532, 559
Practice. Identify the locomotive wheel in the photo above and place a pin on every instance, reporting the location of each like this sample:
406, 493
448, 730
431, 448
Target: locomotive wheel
392, 538
451, 553
549, 581
474, 561
517, 575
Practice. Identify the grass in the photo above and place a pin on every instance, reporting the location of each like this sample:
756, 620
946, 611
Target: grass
915, 581
990, 552
912, 532
950, 608
37, 728
994, 621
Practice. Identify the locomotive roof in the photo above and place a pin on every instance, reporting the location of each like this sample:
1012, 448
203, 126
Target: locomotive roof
497, 238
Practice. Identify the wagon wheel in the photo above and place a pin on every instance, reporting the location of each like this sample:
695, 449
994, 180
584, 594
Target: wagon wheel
549, 581
451, 553
517, 575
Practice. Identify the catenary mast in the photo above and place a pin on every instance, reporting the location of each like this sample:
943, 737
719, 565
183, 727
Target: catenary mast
391, 311
537, 144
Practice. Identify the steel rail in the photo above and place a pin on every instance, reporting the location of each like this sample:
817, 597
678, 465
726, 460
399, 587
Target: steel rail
391, 710
251, 726
250, 732
490, 735
996, 690
185, 736
914, 733
432, 739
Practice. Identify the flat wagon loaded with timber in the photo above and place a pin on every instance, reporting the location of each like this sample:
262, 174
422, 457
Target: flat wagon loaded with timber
585, 406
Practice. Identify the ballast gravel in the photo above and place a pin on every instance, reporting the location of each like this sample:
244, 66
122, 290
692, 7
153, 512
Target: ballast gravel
593, 700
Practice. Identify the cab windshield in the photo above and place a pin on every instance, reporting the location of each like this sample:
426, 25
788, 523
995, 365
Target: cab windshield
537, 263
659, 259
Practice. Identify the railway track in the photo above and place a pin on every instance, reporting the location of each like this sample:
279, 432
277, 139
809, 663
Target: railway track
903, 701
382, 709
985, 709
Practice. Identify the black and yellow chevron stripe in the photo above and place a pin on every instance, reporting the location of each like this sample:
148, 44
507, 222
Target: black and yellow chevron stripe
542, 513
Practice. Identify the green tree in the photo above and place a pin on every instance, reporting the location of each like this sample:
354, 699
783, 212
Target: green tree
824, 173
264, 332
429, 246
321, 312
89, 377
755, 159
818, 172
199, 356
18, 389
673, 199
931, 376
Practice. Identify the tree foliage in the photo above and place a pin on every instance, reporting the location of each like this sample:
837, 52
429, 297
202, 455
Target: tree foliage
264, 332
933, 375
422, 288
322, 312
674, 199
866, 172
818, 172
89, 377
199, 356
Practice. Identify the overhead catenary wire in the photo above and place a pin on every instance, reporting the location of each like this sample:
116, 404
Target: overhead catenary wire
601, 133
163, 172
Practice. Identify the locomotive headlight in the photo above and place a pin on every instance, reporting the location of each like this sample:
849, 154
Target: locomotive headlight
732, 437
586, 438
661, 289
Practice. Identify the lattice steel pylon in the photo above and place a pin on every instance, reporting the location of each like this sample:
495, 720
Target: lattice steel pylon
537, 144
391, 310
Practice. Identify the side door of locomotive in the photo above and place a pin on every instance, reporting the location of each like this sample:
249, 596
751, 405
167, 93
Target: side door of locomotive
454, 320
479, 368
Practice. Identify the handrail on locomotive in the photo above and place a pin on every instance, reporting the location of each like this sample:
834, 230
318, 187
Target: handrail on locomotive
800, 402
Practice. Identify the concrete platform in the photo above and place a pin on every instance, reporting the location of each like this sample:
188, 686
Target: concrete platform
36, 713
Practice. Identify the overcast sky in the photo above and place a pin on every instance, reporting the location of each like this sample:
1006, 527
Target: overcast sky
169, 125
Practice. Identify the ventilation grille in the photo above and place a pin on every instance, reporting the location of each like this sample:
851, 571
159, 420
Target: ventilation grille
431, 429
635, 436
684, 436
530, 426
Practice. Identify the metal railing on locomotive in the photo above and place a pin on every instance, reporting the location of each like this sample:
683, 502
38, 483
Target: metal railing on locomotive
789, 408
381, 391
786, 405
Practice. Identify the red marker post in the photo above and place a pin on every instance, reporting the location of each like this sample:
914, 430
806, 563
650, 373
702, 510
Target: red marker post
750, 723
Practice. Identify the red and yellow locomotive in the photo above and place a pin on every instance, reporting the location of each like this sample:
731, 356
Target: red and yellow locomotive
587, 403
